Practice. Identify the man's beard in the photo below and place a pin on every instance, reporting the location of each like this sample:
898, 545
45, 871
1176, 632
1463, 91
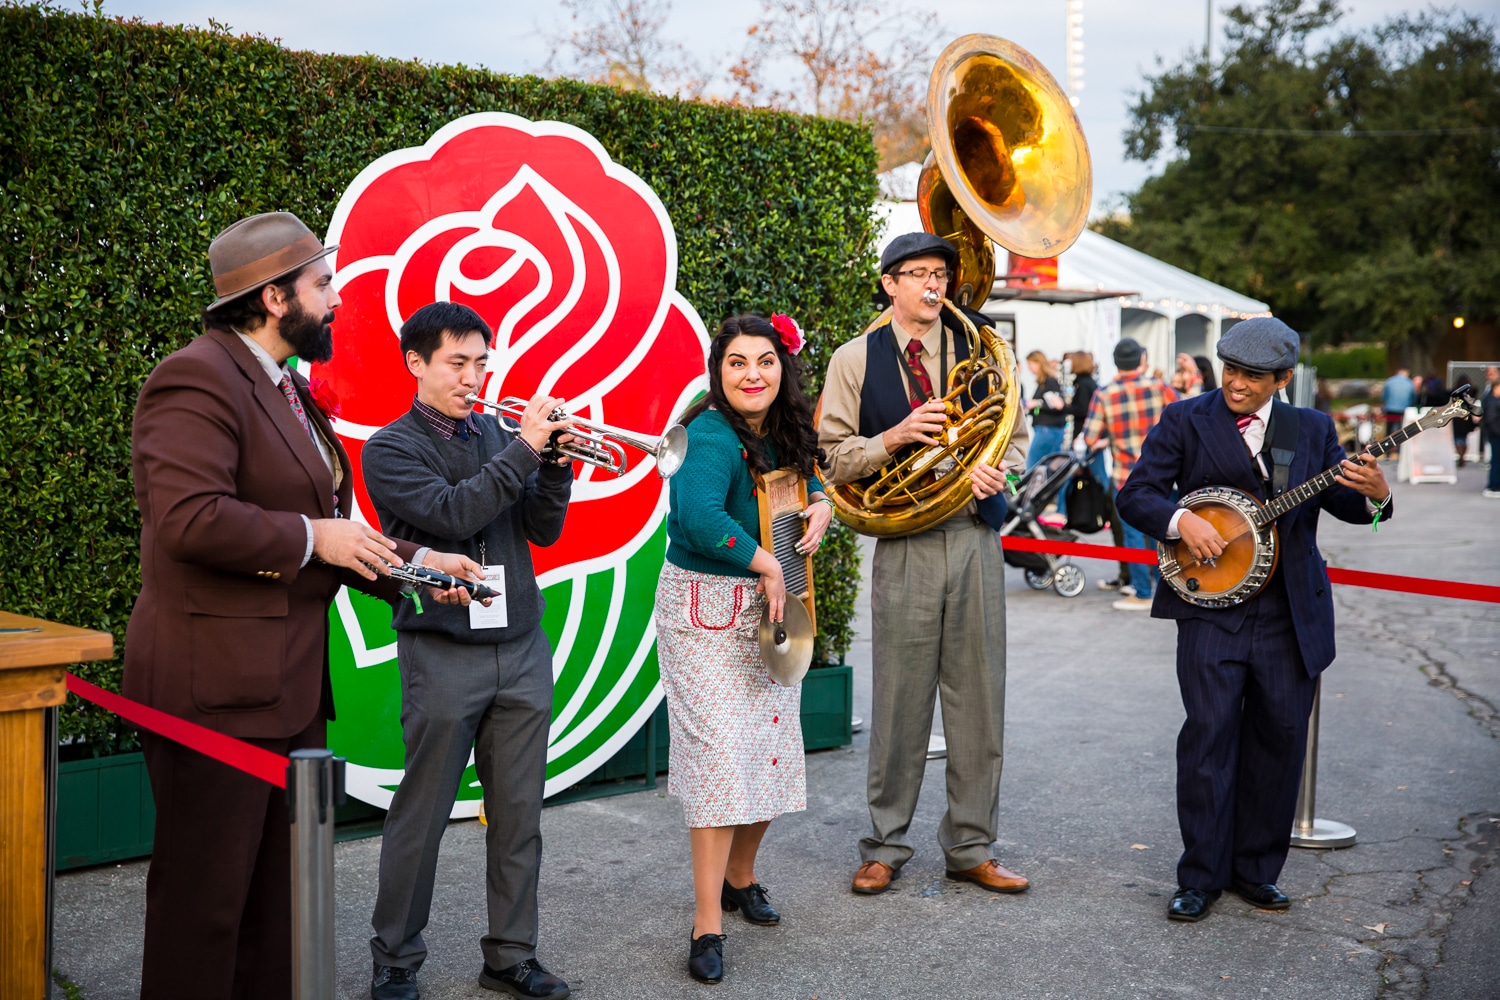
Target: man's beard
311, 337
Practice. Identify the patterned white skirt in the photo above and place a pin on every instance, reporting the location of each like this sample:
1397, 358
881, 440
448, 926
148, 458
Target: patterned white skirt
736, 734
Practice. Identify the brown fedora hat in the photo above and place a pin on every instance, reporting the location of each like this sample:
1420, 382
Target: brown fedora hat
258, 250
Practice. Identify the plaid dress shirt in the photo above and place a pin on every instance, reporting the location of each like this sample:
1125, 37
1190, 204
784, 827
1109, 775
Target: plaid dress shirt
1125, 411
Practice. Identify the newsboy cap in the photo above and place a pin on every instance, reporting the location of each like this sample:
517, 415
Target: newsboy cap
254, 251
909, 245
1128, 353
1263, 344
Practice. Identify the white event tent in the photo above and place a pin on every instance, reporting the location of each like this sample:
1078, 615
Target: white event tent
1105, 291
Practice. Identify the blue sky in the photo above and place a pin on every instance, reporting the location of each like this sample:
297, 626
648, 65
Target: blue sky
1123, 40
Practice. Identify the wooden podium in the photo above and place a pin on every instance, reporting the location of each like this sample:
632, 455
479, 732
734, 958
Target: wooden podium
34, 655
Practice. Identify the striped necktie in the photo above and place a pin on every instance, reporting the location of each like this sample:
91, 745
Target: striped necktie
918, 372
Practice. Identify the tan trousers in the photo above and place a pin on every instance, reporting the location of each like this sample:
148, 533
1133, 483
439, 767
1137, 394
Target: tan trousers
938, 605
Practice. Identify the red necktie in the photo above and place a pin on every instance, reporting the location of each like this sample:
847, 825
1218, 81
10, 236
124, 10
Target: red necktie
1243, 422
918, 372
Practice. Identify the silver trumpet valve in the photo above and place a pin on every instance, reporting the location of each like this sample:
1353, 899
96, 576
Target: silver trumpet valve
599, 444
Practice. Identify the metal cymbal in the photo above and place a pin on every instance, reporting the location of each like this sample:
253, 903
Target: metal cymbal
787, 647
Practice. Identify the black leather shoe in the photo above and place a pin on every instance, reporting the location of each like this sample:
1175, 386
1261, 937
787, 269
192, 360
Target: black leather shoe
1265, 895
1191, 905
706, 958
391, 983
525, 979
753, 901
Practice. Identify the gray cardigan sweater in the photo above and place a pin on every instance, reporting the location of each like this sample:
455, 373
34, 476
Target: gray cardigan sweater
454, 495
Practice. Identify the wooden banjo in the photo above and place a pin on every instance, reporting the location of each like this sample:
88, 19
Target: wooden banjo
1249, 526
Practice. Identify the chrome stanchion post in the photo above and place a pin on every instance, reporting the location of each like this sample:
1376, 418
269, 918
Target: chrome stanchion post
1307, 829
314, 787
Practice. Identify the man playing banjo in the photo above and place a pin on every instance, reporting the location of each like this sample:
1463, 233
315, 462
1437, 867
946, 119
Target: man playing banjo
1247, 665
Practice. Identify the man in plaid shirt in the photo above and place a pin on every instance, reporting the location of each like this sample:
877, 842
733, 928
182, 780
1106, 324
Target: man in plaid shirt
1124, 412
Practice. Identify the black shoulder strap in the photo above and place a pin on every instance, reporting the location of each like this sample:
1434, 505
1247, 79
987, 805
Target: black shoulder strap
1283, 444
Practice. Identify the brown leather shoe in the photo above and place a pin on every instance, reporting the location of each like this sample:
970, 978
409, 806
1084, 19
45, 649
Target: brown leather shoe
994, 876
873, 877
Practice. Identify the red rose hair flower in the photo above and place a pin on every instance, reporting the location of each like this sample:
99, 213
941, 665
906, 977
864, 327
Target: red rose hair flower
791, 334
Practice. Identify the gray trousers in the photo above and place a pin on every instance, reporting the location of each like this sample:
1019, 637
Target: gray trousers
496, 700
937, 600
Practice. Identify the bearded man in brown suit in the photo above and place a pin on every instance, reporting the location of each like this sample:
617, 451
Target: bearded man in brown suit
245, 539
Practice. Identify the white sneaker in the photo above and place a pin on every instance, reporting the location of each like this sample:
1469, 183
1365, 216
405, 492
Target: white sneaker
1109, 585
1132, 603
1491, 494
1126, 590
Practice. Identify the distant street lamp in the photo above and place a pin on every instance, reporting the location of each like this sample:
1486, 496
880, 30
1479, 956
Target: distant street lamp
1458, 322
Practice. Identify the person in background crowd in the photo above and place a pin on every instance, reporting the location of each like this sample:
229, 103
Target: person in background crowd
244, 497
1323, 396
1084, 387
1491, 423
936, 599
1462, 428
1206, 370
1247, 672
1434, 393
1186, 378
476, 681
1419, 390
1399, 393
1491, 376
737, 759
1049, 415
1121, 416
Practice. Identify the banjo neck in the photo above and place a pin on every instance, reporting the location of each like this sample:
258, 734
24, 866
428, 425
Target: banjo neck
1435, 417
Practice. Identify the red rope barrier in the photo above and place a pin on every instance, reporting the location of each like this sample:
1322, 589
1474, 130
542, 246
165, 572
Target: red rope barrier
1351, 577
253, 760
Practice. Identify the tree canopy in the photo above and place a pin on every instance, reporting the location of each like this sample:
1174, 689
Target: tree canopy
1351, 180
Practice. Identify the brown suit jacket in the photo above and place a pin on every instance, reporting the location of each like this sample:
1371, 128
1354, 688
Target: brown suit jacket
230, 631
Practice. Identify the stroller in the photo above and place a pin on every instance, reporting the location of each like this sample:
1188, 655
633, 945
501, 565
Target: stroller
1036, 491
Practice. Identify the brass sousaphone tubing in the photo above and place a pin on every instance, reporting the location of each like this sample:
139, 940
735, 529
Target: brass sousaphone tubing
599, 444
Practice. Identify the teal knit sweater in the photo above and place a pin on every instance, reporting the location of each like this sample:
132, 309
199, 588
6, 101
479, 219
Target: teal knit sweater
714, 524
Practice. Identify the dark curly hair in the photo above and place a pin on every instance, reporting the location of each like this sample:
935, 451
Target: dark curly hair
789, 422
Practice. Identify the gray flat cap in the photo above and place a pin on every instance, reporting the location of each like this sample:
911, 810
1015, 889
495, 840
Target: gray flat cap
909, 245
1263, 344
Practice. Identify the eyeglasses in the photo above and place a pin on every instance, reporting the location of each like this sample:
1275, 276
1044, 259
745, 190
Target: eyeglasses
923, 273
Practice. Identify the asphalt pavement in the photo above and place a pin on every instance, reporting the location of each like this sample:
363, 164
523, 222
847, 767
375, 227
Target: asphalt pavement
1410, 757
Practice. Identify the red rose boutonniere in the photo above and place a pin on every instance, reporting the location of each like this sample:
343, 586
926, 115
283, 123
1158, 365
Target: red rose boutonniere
324, 397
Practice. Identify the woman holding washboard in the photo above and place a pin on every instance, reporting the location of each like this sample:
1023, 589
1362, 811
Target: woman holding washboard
736, 758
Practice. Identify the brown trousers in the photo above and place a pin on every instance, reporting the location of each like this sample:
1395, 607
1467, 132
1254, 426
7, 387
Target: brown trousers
218, 895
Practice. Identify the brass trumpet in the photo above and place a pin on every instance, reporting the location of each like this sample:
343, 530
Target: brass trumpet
600, 444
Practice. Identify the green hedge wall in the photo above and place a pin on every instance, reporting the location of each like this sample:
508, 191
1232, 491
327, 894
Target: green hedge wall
125, 147
1353, 362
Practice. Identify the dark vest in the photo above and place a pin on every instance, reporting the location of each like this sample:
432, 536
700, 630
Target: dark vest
883, 402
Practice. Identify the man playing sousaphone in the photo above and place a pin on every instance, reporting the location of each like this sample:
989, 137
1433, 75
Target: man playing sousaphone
937, 597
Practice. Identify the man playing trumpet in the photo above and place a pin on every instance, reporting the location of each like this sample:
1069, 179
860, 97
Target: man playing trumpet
476, 677
937, 598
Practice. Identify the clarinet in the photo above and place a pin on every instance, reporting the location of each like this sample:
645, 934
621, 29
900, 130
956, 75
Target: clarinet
427, 577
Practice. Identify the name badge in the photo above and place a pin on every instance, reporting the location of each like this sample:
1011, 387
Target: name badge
493, 616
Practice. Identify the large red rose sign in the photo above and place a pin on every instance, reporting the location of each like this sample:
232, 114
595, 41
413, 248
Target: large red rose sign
572, 261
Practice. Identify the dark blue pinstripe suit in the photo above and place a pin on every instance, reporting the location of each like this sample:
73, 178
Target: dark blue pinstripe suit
1247, 673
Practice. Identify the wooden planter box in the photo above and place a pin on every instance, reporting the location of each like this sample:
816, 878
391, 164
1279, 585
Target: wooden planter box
827, 707
104, 810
